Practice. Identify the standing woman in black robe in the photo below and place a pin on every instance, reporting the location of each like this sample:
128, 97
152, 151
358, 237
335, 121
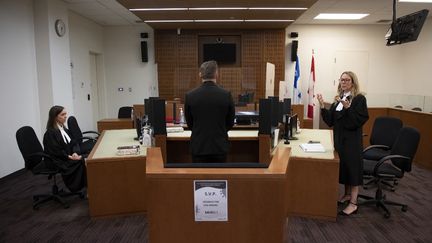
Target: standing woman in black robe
64, 150
347, 115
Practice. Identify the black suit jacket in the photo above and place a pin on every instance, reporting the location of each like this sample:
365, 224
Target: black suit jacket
209, 112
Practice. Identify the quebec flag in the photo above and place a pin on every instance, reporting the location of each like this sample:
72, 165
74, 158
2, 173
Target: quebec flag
296, 90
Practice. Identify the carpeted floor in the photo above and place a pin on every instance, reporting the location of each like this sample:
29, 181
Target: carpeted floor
51, 223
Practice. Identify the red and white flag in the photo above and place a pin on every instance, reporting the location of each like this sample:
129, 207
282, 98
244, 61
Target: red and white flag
311, 92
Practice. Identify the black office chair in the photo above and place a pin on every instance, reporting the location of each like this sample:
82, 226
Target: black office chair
86, 140
384, 133
399, 106
40, 163
125, 112
416, 109
392, 166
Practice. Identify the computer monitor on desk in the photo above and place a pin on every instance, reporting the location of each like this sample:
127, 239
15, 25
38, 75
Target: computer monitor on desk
246, 117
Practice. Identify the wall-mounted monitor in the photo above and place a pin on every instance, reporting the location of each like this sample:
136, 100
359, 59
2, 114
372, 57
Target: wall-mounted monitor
406, 28
224, 49
222, 53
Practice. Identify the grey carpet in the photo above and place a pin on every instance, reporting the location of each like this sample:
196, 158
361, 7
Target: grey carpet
51, 223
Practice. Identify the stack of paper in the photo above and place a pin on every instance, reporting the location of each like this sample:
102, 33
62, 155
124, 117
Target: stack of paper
312, 147
128, 150
174, 129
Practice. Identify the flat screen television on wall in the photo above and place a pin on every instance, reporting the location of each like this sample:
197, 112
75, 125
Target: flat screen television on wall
223, 53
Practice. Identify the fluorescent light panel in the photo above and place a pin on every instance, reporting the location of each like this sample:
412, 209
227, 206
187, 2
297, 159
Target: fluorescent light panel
158, 9
215, 8
269, 20
218, 20
270, 8
340, 16
234, 8
170, 21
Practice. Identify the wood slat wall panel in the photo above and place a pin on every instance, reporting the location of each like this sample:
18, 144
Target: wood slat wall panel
177, 59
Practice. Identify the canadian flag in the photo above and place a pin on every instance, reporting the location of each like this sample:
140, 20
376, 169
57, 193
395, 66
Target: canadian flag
311, 92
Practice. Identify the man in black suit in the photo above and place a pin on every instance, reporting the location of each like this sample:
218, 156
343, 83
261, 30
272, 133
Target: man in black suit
209, 112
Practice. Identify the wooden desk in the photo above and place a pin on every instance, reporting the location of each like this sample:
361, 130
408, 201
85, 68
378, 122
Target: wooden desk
246, 146
256, 203
114, 123
313, 178
116, 184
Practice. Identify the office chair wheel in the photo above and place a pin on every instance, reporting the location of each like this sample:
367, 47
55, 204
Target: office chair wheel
395, 182
82, 195
65, 206
392, 189
404, 208
386, 215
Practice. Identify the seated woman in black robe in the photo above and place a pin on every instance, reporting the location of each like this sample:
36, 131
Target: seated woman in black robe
64, 150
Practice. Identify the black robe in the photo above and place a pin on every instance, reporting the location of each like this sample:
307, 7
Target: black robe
73, 171
348, 138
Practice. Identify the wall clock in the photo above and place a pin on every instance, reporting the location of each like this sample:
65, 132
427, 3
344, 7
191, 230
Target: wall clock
60, 27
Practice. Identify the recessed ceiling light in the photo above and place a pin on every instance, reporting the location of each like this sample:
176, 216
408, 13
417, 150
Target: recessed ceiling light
169, 21
234, 8
269, 8
269, 20
158, 9
416, 1
340, 16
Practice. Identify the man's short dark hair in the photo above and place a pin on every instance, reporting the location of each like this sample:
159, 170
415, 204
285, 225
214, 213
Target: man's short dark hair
208, 70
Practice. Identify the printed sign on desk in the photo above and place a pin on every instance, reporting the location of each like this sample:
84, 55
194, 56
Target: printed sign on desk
211, 200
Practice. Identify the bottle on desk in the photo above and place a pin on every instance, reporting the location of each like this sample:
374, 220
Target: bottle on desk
182, 116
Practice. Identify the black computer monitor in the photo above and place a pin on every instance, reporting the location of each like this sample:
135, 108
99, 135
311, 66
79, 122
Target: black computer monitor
246, 117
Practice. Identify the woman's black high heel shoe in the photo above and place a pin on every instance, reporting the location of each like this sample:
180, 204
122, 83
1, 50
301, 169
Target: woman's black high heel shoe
344, 202
348, 214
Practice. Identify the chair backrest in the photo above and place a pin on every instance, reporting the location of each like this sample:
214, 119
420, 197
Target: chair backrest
416, 109
125, 112
74, 129
385, 131
28, 143
406, 144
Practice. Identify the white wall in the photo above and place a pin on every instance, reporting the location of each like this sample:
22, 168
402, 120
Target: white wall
53, 57
19, 103
416, 63
124, 68
85, 37
390, 68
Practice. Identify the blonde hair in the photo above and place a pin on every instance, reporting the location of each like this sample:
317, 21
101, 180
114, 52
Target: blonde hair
355, 90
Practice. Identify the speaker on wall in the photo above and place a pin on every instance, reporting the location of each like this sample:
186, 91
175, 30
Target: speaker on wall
144, 53
294, 46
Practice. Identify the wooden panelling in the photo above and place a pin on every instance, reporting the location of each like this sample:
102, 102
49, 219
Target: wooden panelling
177, 59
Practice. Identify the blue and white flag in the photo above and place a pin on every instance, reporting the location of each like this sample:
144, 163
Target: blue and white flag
296, 90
